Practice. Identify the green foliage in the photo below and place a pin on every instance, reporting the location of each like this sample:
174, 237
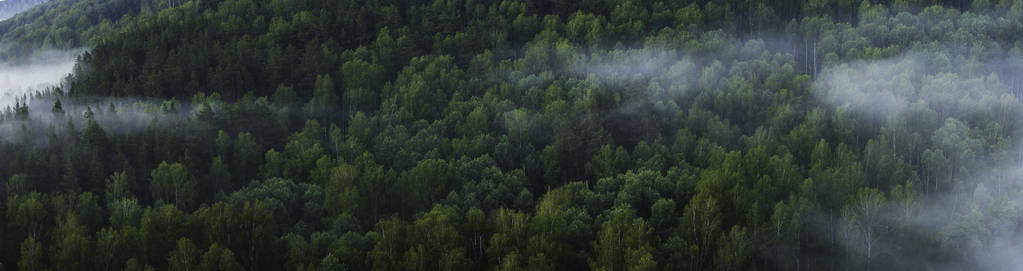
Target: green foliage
172, 184
184, 257
514, 135
31, 255
218, 258
623, 243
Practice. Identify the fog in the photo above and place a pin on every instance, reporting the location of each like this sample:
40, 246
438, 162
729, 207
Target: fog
968, 213
116, 116
32, 83
952, 102
888, 88
44, 70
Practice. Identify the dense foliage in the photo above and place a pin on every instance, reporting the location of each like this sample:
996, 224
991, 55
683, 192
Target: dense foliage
519, 135
68, 24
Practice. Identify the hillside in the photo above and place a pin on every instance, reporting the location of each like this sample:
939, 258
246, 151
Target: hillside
517, 135
62, 25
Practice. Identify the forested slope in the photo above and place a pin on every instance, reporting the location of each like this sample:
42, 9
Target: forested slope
10, 7
524, 135
58, 25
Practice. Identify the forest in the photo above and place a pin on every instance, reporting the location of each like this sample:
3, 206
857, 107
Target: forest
516, 135
10, 7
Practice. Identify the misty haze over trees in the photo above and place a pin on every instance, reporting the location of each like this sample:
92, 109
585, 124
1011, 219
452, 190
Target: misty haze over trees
512, 135
10, 7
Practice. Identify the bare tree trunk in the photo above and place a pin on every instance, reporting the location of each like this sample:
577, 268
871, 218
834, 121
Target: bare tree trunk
866, 238
831, 234
815, 59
